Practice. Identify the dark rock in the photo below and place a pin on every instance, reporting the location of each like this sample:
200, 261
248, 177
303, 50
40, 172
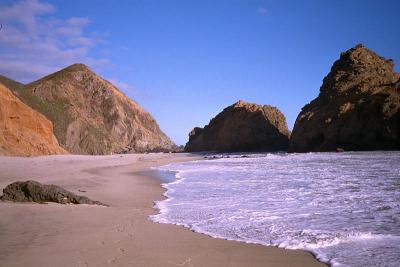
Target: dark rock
358, 107
32, 191
242, 127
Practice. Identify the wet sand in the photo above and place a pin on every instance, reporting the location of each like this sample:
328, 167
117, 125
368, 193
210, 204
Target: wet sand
119, 235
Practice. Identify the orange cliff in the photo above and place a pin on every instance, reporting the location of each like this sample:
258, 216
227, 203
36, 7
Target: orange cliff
23, 131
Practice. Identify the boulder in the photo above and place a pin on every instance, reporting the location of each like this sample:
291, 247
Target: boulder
242, 127
358, 107
32, 191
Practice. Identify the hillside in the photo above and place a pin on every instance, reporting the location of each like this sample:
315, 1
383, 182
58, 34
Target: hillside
91, 116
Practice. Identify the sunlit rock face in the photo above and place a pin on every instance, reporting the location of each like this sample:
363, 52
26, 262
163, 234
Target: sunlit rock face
91, 116
357, 107
24, 131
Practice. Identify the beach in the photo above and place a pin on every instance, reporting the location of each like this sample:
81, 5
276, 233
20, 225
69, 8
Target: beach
118, 235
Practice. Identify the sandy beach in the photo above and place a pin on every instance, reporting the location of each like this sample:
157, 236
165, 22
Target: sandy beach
118, 235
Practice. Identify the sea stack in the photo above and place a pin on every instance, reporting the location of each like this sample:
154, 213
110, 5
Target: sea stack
23, 131
357, 107
91, 116
242, 127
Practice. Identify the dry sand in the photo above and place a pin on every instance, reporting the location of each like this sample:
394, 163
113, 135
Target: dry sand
119, 235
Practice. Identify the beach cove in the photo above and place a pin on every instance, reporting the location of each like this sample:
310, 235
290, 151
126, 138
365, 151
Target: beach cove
118, 235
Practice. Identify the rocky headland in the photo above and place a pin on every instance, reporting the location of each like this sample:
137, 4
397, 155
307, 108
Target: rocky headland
242, 127
358, 107
90, 115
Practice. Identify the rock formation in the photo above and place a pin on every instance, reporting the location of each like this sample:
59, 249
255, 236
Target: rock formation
91, 116
357, 107
23, 131
32, 191
242, 127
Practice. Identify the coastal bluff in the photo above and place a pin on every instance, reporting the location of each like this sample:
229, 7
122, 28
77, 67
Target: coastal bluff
242, 127
90, 115
358, 107
24, 131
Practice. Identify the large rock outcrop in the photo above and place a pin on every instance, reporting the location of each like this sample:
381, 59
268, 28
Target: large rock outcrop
24, 131
32, 191
242, 127
358, 107
91, 116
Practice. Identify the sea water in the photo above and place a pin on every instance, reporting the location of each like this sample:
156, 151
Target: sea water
344, 207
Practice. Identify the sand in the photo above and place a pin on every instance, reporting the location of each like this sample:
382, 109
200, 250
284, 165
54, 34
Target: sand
119, 235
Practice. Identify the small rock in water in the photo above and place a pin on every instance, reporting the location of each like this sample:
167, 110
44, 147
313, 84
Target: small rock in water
32, 191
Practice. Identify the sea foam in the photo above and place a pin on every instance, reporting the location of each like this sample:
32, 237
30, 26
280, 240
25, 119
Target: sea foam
344, 207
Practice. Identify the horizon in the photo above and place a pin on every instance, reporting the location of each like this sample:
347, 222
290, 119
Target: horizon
196, 59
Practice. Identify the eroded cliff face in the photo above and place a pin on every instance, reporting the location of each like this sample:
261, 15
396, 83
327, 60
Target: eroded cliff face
24, 131
91, 116
357, 107
242, 127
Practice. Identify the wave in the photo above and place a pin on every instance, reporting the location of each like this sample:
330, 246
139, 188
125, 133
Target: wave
273, 199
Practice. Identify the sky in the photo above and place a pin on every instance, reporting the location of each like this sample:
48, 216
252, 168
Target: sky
184, 61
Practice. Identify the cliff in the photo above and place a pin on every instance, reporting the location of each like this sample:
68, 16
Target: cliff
23, 131
91, 116
357, 107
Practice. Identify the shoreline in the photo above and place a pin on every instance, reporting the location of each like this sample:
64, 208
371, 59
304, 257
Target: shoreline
156, 174
119, 235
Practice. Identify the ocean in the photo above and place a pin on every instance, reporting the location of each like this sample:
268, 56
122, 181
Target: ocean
343, 207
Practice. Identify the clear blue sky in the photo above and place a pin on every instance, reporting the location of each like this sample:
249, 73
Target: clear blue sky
184, 61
